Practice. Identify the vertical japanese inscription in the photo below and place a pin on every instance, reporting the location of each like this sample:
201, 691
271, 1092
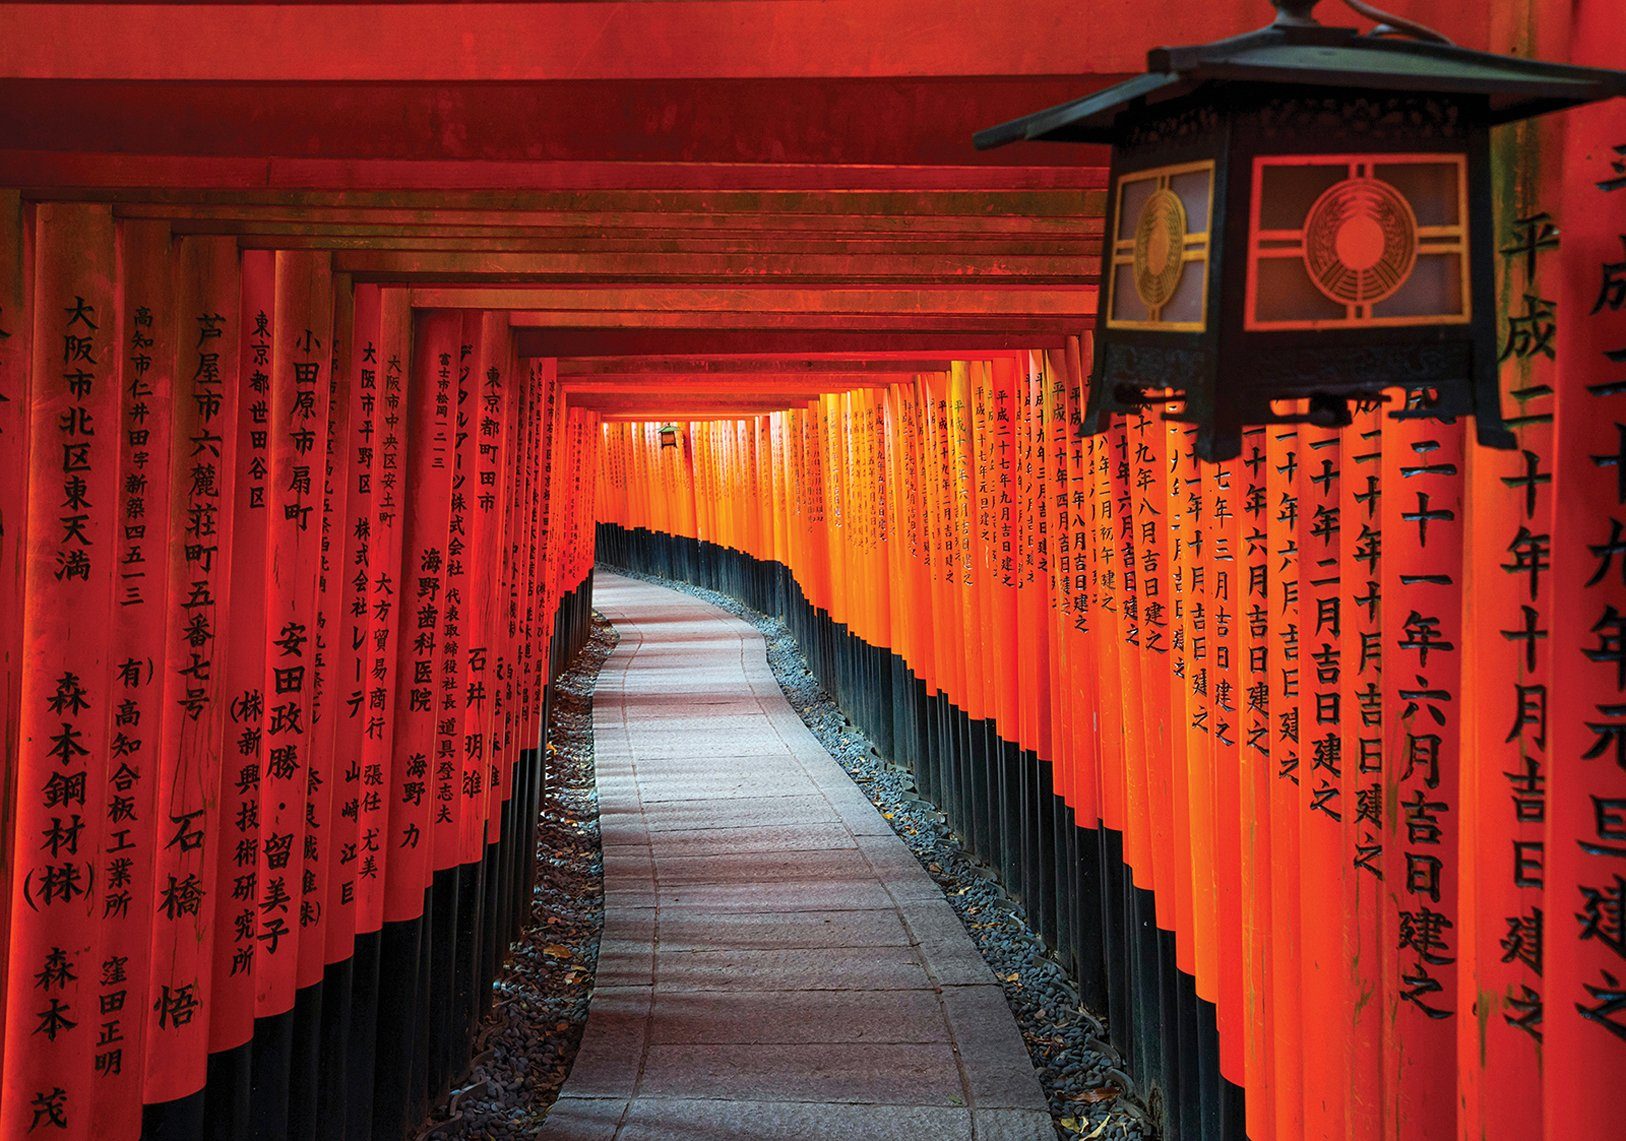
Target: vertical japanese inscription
188, 827
1584, 864
54, 959
146, 359
301, 357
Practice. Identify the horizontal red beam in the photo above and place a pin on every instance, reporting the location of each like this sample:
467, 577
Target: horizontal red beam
37, 169
658, 410
686, 418
490, 267
727, 367
885, 252
766, 384
609, 40
614, 230
727, 204
540, 303
846, 122
813, 324
771, 342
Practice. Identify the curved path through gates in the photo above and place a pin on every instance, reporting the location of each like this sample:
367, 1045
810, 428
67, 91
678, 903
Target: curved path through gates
775, 963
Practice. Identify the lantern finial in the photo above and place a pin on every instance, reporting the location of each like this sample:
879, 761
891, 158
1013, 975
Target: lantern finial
1295, 13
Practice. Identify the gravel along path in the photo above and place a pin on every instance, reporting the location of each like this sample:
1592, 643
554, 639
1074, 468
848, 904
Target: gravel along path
527, 1045
1077, 1069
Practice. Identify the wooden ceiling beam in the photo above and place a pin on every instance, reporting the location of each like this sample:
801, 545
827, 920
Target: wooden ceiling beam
725, 367
497, 266
769, 343
1054, 255
616, 39
44, 172
680, 418
767, 384
813, 325
958, 194
536, 224
539, 305
685, 414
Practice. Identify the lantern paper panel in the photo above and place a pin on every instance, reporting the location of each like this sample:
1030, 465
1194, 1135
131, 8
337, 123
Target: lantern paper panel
1158, 265
1358, 241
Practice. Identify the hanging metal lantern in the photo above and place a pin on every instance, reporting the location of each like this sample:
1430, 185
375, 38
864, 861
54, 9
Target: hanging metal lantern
669, 435
1299, 218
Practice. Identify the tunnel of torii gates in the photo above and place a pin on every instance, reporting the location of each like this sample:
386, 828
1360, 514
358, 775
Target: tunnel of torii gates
334, 337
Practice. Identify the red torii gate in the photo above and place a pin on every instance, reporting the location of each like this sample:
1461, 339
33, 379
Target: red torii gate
629, 211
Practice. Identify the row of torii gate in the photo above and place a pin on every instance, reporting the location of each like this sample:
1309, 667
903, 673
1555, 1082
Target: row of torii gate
628, 212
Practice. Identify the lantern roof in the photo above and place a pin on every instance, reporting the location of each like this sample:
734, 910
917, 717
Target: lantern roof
1316, 56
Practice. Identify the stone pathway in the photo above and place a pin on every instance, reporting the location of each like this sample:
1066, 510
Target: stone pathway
774, 963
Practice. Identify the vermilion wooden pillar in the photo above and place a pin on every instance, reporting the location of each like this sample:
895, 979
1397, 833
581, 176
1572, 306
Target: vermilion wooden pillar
55, 959
14, 448
245, 286
146, 353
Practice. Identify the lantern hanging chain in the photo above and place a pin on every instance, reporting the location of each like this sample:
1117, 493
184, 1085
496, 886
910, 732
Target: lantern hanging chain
1388, 24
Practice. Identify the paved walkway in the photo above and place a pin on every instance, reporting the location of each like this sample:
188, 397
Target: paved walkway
775, 963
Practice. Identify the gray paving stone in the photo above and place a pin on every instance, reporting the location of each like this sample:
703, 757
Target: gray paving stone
855, 1072
629, 896
790, 895
709, 719
739, 786
681, 743
763, 867
613, 1045
797, 968
575, 1118
820, 837
897, 866
719, 700
626, 949
863, 820
951, 958
630, 864
621, 828
832, 1016
708, 759
1012, 1125
667, 1119
758, 812
996, 1064
781, 930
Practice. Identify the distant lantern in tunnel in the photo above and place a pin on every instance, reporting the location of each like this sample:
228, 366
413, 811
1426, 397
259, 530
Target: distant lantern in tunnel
669, 435
1299, 219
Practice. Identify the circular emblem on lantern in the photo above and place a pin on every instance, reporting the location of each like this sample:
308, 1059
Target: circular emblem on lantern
1360, 241
1160, 241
